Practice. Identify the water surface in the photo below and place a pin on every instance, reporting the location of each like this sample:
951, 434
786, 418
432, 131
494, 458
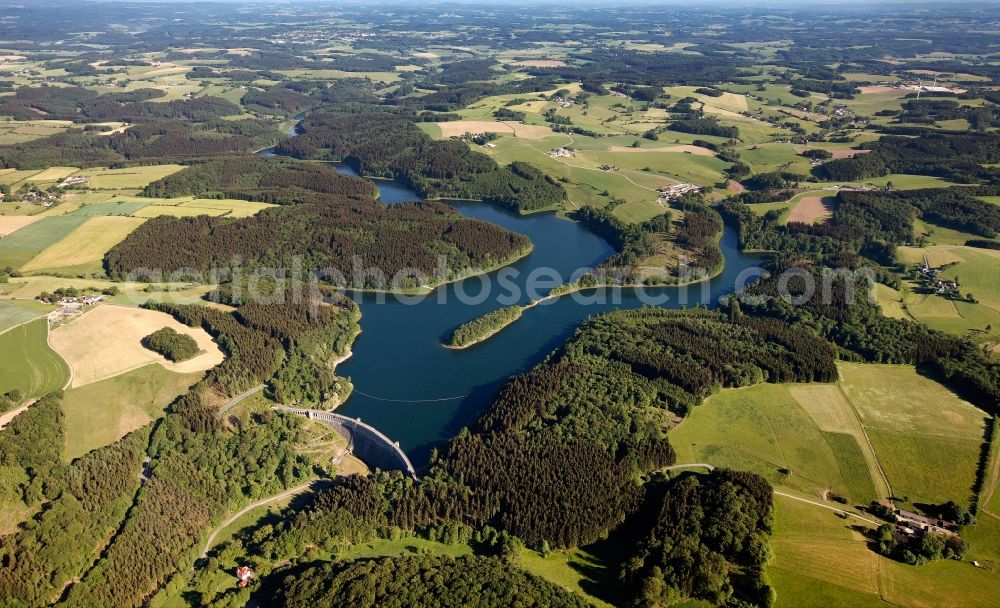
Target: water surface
420, 393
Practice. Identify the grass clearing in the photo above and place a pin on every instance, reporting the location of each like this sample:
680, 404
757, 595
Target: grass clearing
86, 245
564, 568
103, 412
106, 341
29, 363
12, 315
822, 560
890, 302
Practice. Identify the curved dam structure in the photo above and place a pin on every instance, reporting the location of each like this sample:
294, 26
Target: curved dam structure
365, 441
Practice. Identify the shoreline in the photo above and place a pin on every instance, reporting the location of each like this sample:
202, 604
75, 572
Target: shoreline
428, 289
569, 291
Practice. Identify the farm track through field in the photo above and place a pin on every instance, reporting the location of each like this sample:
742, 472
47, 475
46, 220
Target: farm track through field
832, 508
987, 494
702, 465
871, 448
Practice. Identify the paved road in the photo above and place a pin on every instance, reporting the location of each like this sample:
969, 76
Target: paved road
250, 507
692, 465
232, 402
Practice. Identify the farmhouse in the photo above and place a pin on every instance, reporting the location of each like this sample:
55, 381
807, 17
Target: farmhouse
930, 279
677, 190
73, 180
914, 523
245, 575
562, 152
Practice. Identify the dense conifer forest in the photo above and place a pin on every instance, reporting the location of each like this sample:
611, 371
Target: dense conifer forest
351, 242
422, 581
380, 144
567, 478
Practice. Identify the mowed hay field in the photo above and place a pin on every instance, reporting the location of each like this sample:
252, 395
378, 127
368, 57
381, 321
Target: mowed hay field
12, 223
926, 438
821, 560
814, 438
103, 412
457, 128
764, 429
812, 209
30, 365
18, 248
106, 341
86, 245
53, 174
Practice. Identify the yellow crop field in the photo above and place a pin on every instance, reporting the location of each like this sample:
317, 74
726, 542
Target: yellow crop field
106, 341
131, 177
86, 244
188, 207
10, 223
53, 174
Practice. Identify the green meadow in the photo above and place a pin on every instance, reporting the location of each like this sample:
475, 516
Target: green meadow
101, 413
30, 365
18, 248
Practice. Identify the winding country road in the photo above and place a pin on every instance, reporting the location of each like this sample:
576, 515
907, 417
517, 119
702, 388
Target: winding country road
232, 402
263, 501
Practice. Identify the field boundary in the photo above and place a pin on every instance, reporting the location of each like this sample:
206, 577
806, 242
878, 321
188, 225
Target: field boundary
871, 446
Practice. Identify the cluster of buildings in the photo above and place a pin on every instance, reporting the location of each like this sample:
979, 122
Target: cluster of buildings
931, 279
69, 306
676, 191
45, 199
911, 524
562, 102
562, 152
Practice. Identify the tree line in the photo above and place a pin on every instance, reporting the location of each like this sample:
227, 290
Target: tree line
381, 144
325, 236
